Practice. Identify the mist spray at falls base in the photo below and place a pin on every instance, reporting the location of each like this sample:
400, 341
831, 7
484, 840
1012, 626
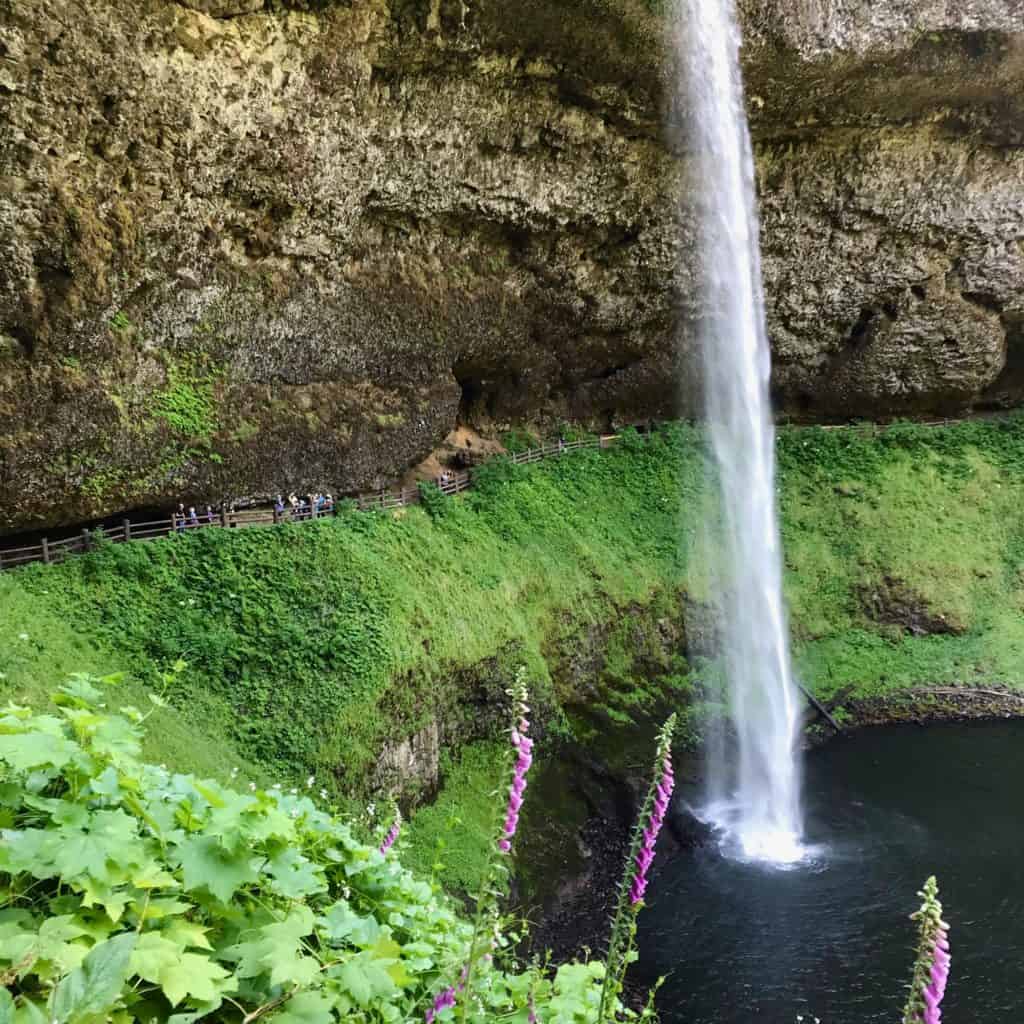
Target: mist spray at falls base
754, 793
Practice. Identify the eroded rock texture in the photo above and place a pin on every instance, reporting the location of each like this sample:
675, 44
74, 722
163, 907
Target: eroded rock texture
250, 245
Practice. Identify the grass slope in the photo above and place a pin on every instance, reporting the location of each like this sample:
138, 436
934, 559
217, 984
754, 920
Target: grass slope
309, 645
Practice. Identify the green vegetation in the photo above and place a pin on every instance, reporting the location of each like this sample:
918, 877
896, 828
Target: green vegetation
451, 837
311, 647
134, 894
905, 554
188, 403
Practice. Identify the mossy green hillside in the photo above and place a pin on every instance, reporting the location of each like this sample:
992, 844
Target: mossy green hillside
935, 513
310, 646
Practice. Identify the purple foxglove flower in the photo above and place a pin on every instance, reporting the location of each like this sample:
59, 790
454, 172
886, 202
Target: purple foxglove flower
931, 970
523, 746
389, 839
442, 1001
645, 856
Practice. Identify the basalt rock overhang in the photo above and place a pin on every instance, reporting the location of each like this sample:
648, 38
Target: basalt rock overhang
248, 246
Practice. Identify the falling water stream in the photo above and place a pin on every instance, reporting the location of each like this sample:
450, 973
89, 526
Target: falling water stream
755, 787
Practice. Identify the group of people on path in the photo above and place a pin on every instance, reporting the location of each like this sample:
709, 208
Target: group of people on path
182, 520
307, 506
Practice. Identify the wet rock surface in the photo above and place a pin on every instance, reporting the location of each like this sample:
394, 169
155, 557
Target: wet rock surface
248, 246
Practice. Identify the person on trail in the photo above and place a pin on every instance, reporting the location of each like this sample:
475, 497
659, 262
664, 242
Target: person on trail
328, 502
178, 518
209, 514
278, 506
193, 518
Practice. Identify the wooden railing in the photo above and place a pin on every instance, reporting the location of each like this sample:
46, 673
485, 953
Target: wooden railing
53, 551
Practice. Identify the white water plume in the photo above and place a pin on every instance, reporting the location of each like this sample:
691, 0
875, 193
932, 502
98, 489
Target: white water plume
755, 795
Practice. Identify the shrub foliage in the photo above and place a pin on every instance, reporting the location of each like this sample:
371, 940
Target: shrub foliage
134, 894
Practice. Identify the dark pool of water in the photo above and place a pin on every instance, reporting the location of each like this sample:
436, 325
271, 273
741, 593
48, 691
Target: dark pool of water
830, 937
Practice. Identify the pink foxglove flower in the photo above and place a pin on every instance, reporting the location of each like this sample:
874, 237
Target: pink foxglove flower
389, 839
659, 807
931, 969
523, 746
442, 1001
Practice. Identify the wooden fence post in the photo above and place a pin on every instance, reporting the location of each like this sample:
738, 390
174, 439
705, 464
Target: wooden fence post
127, 529
46, 551
223, 516
85, 539
277, 516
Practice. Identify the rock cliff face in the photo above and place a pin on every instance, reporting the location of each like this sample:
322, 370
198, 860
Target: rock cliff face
250, 245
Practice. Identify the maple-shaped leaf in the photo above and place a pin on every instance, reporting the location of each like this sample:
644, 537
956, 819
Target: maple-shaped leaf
294, 876
306, 1008
364, 978
93, 989
343, 924
29, 851
80, 852
187, 933
196, 976
35, 749
277, 949
154, 954
207, 865
116, 737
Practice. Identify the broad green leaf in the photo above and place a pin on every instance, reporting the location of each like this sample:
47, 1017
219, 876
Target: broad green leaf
294, 876
36, 750
209, 791
191, 974
106, 784
6, 1007
80, 691
343, 924
29, 851
277, 950
154, 954
112, 899
207, 865
94, 988
305, 1008
82, 853
116, 737
364, 978
187, 933
29, 1012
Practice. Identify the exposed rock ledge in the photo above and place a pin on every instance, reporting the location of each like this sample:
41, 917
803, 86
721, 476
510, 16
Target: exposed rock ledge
247, 245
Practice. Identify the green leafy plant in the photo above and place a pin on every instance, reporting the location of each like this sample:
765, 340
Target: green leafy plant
434, 501
188, 402
136, 894
119, 322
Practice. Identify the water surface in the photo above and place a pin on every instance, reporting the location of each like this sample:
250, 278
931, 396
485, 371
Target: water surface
830, 937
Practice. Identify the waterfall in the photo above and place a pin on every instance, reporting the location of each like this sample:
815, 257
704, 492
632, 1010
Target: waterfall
755, 783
